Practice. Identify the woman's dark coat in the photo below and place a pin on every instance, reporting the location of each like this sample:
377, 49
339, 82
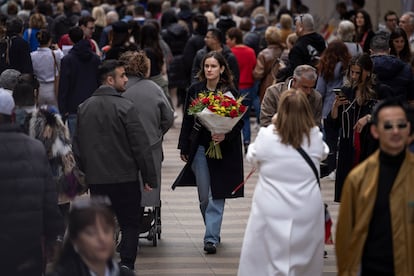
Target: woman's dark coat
225, 174
346, 149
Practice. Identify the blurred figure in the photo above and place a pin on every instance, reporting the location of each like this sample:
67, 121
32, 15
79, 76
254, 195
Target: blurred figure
246, 59
363, 28
331, 68
89, 246
284, 57
346, 33
389, 69
255, 39
99, 14
16, 51
287, 207
391, 21
377, 194
407, 24
286, 27
350, 114
37, 22
30, 215
46, 67
399, 45
267, 61
307, 49
120, 41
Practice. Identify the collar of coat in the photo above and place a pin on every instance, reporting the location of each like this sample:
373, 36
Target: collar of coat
106, 90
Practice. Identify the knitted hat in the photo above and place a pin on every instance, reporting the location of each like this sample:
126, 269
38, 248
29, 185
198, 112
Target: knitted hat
6, 102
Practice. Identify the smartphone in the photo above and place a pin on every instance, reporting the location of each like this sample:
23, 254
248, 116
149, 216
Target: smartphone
339, 93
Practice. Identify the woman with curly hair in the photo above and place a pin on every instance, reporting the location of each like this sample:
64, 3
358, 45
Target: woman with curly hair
350, 115
331, 69
399, 45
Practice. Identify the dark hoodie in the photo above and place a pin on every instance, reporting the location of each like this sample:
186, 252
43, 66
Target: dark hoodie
78, 77
395, 73
307, 50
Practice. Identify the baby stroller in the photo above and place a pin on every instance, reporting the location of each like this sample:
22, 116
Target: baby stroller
150, 227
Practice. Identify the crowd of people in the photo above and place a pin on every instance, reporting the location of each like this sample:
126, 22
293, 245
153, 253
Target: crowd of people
86, 96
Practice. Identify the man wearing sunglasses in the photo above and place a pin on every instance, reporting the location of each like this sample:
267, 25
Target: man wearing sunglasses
375, 230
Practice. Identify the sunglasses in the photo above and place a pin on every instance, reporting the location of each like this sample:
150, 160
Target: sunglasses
389, 126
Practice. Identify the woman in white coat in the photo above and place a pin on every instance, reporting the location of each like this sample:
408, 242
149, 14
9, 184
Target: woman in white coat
285, 231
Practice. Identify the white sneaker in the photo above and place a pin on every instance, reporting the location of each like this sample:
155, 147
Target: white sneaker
332, 175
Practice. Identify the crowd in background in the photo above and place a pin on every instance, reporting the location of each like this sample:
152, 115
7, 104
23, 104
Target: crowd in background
51, 59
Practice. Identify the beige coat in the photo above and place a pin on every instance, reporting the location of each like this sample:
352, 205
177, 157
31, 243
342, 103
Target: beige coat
266, 67
357, 203
271, 100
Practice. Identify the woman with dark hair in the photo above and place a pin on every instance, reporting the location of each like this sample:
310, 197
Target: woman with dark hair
331, 69
285, 231
350, 115
363, 27
180, 69
214, 178
120, 41
89, 246
399, 45
46, 67
150, 44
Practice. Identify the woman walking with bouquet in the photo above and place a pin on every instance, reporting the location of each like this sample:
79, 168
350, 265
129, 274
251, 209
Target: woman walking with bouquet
215, 177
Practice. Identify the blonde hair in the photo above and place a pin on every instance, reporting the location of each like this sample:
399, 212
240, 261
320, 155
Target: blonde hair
37, 21
272, 35
291, 40
99, 14
294, 118
286, 21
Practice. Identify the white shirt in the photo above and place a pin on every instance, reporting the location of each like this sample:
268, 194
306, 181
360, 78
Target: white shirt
44, 65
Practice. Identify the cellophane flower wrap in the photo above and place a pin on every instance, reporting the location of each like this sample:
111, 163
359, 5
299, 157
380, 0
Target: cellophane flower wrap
219, 112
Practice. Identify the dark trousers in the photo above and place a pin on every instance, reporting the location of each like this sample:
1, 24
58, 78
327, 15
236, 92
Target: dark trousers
126, 204
331, 138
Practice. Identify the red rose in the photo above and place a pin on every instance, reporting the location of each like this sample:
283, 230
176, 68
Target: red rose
205, 101
233, 113
211, 107
225, 104
242, 108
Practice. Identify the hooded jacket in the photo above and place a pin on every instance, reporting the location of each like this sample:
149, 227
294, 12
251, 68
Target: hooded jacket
395, 73
78, 77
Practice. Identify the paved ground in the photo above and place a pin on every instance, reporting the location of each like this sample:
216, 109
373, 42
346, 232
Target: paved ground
180, 249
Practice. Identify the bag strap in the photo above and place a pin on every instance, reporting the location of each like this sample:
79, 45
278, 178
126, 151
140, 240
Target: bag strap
310, 163
55, 63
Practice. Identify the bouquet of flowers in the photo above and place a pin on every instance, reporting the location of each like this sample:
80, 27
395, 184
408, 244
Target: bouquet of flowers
219, 112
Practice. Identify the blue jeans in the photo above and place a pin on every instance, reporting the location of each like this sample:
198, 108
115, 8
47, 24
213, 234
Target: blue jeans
72, 121
251, 99
211, 209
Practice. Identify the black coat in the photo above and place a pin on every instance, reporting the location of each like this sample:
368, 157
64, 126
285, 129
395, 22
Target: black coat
78, 77
344, 123
28, 202
225, 174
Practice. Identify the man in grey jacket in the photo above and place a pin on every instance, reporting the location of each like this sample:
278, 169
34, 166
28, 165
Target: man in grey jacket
113, 148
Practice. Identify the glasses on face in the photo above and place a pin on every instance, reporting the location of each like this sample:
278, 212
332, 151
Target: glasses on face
389, 126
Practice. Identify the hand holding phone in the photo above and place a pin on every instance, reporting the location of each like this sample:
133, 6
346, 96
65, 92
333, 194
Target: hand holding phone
339, 93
